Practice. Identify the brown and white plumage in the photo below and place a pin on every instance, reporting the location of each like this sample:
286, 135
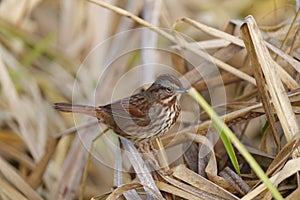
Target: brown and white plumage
140, 117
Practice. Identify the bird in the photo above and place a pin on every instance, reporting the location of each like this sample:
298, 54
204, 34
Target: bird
140, 117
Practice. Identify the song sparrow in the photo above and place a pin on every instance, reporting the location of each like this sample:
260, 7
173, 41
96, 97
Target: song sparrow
141, 117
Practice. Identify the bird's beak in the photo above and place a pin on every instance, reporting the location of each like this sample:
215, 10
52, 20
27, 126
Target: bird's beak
182, 90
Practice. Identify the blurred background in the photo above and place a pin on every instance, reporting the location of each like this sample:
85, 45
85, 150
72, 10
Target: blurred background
55, 51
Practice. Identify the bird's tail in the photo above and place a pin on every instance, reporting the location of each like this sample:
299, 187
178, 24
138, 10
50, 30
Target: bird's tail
76, 108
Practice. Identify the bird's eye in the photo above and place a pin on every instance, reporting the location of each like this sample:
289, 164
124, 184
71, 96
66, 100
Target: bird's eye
169, 89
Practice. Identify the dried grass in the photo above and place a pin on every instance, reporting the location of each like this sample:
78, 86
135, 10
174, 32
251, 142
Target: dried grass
43, 46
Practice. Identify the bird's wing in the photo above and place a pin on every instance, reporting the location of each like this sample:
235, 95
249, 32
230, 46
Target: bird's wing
126, 110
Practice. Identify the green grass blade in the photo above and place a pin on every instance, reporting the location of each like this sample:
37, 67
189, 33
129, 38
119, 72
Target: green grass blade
38, 50
224, 130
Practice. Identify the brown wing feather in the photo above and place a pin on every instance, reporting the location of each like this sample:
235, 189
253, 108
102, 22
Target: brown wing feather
124, 109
